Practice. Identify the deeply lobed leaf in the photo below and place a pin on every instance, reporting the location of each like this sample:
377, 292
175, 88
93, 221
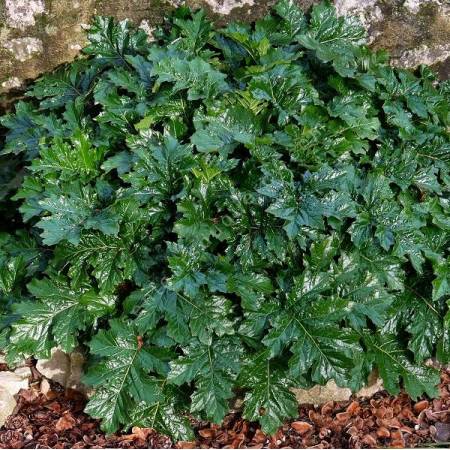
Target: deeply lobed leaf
223, 212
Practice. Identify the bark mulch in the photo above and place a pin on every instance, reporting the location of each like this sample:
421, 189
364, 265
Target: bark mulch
48, 416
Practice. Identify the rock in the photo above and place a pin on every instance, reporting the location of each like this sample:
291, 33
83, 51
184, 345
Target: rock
63, 368
226, 6
371, 388
7, 404
11, 83
414, 31
57, 368
20, 13
322, 394
368, 12
24, 48
318, 395
10, 384
77, 361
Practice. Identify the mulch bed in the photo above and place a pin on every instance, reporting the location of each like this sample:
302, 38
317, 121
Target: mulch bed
48, 416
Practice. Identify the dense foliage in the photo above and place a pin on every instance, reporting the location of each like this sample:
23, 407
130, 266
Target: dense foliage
228, 212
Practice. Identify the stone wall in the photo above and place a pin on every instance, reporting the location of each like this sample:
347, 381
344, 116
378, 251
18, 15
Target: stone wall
38, 35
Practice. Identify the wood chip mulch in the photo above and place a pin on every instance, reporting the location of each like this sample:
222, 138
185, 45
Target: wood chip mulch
54, 418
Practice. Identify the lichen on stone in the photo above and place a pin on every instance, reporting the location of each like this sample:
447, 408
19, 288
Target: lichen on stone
21, 13
145, 26
24, 48
367, 11
51, 30
12, 83
226, 6
423, 55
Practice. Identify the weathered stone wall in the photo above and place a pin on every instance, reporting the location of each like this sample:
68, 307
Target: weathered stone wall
38, 35
413, 31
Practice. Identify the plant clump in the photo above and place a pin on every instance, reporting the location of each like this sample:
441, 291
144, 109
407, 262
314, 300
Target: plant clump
225, 212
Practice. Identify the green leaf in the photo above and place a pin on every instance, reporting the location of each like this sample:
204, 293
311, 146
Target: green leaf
292, 14
197, 76
196, 31
212, 316
203, 316
163, 109
393, 364
120, 161
286, 87
225, 129
221, 212
69, 162
441, 284
26, 130
121, 378
70, 214
213, 368
108, 257
159, 167
398, 116
353, 110
163, 417
302, 205
65, 85
11, 273
112, 42
333, 38
249, 286
268, 399
322, 348
195, 223
58, 317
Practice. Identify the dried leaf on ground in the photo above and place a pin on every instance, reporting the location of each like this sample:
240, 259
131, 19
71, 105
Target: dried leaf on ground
379, 421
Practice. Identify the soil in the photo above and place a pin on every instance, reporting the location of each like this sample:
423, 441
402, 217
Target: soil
48, 416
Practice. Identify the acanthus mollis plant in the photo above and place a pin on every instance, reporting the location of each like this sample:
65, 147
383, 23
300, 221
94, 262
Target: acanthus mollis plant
222, 211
